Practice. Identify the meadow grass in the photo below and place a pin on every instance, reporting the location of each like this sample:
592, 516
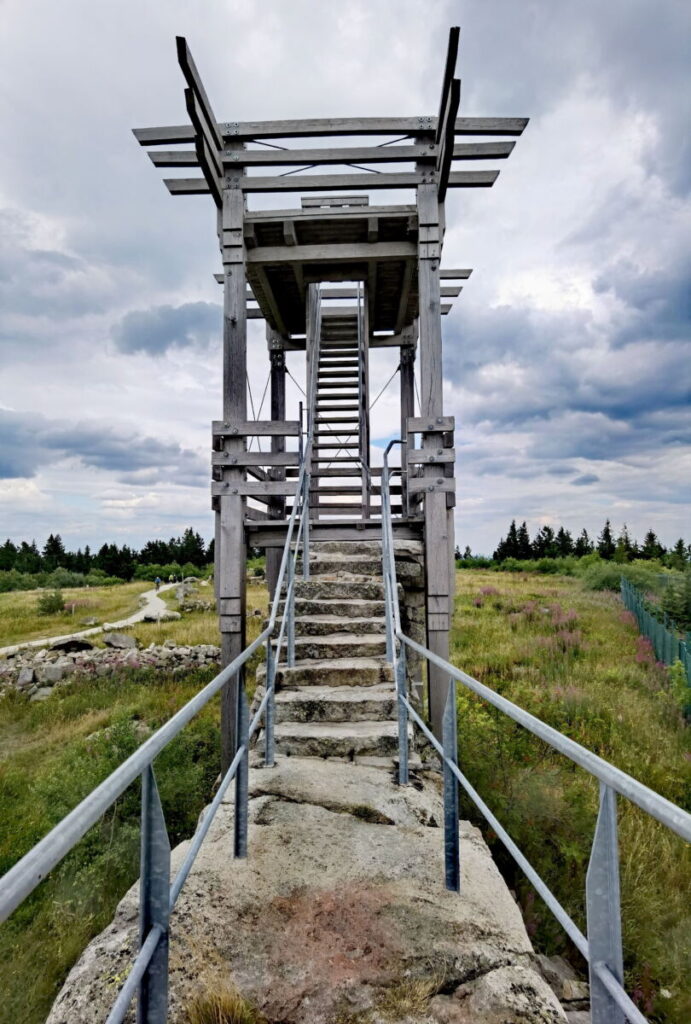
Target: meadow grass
54, 752
19, 620
573, 658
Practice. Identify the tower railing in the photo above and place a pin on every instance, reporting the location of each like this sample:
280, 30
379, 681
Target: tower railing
602, 946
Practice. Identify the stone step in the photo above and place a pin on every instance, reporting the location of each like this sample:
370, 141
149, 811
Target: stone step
348, 609
356, 645
333, 625
363, 565
364, 548
331, 672
336, 704
348, 740
320, 587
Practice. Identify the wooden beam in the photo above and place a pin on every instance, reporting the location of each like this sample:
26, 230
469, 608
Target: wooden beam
345, 155
331, 253
423, 457
255, 428
204, 145
320, 201
455, 275
264, 291
328, 215
239, 131
256, 489
449, 73
336, 182
447, 134
431, 424
277, 458
193, 79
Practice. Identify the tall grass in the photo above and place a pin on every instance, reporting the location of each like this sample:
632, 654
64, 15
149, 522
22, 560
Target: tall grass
572, 657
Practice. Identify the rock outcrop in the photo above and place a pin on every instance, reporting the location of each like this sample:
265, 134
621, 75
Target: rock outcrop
339, 915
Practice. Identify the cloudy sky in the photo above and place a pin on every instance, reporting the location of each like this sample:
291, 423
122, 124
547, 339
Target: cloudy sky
567, 360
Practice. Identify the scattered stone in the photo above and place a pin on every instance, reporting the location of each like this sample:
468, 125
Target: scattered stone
90, 621
72, 644
50, 673
43, 693
25, 678
166, 616
120, 641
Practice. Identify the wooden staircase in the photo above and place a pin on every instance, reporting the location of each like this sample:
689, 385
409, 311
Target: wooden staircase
340, 477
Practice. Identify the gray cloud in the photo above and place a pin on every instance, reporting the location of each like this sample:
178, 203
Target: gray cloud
29, 443
158, 329
583, 481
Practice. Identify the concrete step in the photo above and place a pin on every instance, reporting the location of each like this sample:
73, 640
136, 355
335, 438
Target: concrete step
343, 740
335, 589
331, 672
334, 625
355, 645
336, 704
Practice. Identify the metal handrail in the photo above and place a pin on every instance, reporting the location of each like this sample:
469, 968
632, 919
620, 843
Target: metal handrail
602, 948
148, 975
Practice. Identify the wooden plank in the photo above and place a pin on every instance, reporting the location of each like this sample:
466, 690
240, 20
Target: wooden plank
265, 295
255, 489
332, 253
205, 142
454, 275
446, 146
318, 127
274, 458
336, 182
255, 428
449, 73
345, 155
419, 456
451, 290
431, 424
330, 215
321, 201
194, 81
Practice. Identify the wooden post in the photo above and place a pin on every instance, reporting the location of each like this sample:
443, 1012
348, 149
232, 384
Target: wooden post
231, 559
278, 412
436, 524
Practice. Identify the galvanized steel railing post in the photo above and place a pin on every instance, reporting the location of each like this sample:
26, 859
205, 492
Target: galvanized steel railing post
270, 713
452, 866
290, 612
604, 912
402, 718
242, 779
306, 529
154, 909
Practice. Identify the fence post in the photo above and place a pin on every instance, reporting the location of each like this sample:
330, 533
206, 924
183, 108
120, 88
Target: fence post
270, 712
452, 866
604, 911
402, 717
242, 779
154, 897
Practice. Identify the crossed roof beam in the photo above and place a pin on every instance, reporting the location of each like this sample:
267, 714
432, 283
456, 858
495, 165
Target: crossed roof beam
220, 147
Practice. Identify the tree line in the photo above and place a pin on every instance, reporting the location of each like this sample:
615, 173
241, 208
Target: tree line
110, 559
548, 543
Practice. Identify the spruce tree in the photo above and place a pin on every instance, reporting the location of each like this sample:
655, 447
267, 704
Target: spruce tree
523, 541
605, 544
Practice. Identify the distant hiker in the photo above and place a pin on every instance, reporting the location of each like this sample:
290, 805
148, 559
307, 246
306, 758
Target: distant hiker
171, 578
157, 581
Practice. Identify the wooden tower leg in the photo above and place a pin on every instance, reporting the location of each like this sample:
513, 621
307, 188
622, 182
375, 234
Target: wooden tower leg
232, 551
278, 444
436, 527
407, 409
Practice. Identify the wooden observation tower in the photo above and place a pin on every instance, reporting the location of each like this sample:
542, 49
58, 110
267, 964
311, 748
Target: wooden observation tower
334, 277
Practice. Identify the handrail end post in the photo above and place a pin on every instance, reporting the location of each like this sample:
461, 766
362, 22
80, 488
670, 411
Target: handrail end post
154, 902
452, 864
603, 911
242, 780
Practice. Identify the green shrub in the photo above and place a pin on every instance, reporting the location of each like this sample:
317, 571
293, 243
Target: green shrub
676, 599
646, 575
50, 603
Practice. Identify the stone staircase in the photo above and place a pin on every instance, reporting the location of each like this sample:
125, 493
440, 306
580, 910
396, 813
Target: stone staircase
338, 701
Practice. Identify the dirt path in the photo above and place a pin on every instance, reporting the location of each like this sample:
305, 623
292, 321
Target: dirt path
151, 604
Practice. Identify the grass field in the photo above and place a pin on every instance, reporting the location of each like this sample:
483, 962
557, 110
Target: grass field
569, 655
573, 658
19, 620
